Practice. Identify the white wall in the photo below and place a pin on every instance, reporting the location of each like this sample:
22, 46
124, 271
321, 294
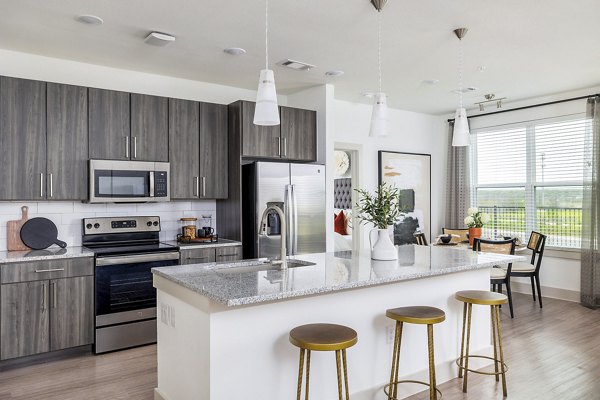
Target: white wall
68, 215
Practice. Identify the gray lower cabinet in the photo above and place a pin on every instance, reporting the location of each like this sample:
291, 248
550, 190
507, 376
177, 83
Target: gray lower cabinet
109, 124
258, 141
46, 306
298, 134
211, 254
149, 128
22, 139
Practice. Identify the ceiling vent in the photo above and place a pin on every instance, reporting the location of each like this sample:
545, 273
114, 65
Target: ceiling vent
296, 65
159, 39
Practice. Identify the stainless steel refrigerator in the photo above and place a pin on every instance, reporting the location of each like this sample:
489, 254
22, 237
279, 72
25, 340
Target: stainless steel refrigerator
299, 190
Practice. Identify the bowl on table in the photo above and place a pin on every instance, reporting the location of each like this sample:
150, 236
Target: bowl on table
445, 239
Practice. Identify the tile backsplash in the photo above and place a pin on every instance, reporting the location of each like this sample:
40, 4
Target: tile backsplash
68, 215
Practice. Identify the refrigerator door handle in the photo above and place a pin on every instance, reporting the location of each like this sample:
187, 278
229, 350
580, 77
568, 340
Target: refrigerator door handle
295, 221
287, 210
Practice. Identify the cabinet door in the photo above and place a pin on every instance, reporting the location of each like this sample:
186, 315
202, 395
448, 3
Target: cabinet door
109, 124
213, 151
183, 148
67, 147
298, 134
233, 253
149, 128
22, 139
197, 256
258, 141
71, 312
24, 328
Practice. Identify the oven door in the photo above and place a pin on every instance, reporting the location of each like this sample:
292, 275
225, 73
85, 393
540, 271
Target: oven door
124, 289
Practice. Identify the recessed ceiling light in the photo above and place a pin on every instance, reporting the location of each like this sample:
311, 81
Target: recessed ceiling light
159, 39
297, 65
335, 72
89, 19
431, 81
481, 68
235, 51
366, 94
465, 90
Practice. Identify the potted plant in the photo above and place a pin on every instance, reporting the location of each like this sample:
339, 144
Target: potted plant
381, 209
475, 220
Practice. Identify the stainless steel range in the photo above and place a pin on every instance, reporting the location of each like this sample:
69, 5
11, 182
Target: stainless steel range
126, 249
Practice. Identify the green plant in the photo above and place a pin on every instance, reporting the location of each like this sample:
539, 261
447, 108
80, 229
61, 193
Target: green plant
382, 209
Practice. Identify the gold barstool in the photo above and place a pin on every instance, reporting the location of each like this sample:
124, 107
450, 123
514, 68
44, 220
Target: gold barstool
323, 337
413, 315
485, 298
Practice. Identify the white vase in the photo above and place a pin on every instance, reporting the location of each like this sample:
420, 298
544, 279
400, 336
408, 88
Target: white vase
384, 248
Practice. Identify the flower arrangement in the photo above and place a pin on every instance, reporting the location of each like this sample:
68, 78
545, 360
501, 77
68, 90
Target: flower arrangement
476, 218
382, 209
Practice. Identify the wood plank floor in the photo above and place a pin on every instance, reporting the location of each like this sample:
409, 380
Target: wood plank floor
552, 353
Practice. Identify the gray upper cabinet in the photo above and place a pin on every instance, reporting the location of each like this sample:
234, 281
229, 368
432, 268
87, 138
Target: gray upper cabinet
213, 151
24, 319
71, 312
258, 141
149, 128
109, 125
67, 142
298, 134
183, 148
22, 139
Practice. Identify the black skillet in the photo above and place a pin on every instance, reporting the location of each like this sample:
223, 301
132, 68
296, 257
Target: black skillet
40, 233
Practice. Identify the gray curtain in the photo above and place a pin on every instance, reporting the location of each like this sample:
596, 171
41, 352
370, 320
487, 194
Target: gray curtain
458, 184
590, 235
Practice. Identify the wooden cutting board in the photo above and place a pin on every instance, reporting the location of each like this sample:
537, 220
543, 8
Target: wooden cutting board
13, 232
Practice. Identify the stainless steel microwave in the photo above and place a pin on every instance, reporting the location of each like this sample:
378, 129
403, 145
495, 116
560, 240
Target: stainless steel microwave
112, 181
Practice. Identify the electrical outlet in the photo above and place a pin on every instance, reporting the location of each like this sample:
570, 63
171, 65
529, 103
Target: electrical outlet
389, 334
167, 315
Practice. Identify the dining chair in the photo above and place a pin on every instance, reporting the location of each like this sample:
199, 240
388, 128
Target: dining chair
498, 276
460, 232
421, 239
531, 270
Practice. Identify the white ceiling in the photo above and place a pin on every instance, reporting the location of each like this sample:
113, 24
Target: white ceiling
529, 48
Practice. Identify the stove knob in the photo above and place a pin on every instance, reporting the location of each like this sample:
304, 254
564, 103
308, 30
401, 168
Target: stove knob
96, 225
89, 226
149, 223
155, 223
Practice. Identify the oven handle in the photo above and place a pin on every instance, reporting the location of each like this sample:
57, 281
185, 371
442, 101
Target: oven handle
137, 258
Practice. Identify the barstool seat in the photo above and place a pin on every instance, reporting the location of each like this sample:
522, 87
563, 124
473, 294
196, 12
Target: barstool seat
422, 315
323, 337
485, 298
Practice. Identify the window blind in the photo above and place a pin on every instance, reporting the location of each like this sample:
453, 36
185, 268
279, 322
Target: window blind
529, 176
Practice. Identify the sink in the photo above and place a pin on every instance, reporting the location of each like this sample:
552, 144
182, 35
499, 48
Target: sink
246, 267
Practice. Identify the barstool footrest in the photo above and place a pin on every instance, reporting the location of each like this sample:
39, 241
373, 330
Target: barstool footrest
387, 391
459, 362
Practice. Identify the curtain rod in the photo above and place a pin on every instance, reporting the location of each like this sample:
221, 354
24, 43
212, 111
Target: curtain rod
531, 106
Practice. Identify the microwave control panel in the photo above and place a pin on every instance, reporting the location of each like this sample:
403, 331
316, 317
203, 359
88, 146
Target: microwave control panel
161, 184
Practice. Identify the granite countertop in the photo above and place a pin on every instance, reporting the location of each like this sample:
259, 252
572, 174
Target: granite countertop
241, 283
191, 246
52, 253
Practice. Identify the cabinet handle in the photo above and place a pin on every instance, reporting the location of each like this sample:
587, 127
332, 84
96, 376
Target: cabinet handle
284, 147
196, 258
44, 294
49, 270
279, 146
196, 187
228, 255
54, 295
50, 180
41, 184
203, 186
126, 146
135, 147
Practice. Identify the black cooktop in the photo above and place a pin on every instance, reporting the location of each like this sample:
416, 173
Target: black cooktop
125, 248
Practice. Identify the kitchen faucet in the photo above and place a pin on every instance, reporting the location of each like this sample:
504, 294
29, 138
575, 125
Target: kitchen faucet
263, 231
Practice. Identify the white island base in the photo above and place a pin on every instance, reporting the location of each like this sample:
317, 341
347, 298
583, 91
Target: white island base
207, 350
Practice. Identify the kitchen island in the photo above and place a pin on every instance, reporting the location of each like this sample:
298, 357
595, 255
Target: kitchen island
223, 327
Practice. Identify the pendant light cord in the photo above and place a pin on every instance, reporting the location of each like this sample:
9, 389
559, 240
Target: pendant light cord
379, 45
460, 71
266, 34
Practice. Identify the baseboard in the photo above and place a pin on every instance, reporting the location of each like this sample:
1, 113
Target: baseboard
547, 291
158, 395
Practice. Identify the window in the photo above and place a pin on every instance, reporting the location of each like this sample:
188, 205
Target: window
529, 176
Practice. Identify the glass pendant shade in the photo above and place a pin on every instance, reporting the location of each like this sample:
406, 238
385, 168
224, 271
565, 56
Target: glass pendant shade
460, 135
379, 117
266, 112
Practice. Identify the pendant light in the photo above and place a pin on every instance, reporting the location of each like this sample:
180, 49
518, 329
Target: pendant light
266, 112
379, 116
460, 134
